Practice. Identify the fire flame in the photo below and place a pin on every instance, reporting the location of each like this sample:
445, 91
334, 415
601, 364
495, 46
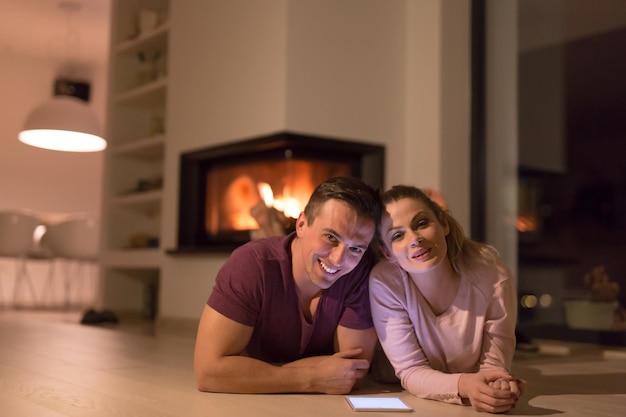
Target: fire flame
265, 190
526, 224
290, 207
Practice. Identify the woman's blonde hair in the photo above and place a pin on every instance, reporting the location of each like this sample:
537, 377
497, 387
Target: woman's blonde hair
461, 249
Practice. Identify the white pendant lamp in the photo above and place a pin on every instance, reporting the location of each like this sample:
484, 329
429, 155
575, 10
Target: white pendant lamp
64, 123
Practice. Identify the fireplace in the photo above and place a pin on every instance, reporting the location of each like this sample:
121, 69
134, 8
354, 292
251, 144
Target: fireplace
225, 190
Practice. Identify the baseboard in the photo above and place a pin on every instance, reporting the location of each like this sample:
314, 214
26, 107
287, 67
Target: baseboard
176, 326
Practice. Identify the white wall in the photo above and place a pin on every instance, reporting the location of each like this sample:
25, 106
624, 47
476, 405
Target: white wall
369, 70
227, 68
502, 128
436, 146
346, 69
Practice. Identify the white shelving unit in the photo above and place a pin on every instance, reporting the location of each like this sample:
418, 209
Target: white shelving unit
137, 136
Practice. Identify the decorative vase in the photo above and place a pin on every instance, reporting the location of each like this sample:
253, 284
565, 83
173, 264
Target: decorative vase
590, 315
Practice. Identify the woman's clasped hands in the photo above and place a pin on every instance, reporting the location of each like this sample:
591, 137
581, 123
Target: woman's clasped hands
491, 391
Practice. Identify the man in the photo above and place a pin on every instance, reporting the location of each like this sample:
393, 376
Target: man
291, 313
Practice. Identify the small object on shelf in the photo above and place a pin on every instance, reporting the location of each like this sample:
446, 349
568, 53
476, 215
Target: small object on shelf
599, 309
147, 21
141, 240
158, 64
590, 315
149, 184
145, 184
157, 126
145, 72
602, 288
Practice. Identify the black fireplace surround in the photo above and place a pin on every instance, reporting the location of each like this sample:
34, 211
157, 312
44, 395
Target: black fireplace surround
359, 159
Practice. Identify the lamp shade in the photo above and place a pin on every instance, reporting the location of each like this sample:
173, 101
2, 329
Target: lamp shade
64, 123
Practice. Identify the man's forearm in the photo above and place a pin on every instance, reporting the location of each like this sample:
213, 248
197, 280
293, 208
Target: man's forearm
241, 374
336, 374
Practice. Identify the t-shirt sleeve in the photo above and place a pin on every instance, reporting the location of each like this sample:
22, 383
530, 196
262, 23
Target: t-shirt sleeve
357, 313
237, 293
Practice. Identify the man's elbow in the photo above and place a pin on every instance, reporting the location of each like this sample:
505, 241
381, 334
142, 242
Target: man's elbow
202, 385
205, 382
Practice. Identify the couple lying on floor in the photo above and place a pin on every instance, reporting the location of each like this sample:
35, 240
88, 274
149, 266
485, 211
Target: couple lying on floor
305, 312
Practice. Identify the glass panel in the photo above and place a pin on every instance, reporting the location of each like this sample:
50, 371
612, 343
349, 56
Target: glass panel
569, 92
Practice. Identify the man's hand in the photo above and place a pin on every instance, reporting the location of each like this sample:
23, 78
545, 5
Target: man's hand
338, 374
491, 391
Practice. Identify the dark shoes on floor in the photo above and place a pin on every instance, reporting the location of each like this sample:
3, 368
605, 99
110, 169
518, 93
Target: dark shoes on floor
99, 317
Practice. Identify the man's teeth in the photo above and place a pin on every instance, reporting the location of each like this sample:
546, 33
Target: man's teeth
327, 268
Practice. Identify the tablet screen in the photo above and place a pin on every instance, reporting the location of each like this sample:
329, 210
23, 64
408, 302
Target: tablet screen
377, 404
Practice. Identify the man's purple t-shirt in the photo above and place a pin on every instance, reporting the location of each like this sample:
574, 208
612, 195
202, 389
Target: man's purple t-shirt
255, 287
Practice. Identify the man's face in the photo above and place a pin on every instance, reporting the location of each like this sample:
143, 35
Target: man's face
333, 244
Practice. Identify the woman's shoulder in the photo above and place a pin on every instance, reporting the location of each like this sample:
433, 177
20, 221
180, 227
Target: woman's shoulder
388, 274
387, 284
384, 270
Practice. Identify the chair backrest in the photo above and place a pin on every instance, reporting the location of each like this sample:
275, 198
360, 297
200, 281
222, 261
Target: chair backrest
17, 231
74, 238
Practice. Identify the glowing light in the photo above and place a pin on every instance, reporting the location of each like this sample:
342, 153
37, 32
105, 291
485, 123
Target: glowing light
38, 233
526, 224
266, 193
545, 300
528, 301
292, 208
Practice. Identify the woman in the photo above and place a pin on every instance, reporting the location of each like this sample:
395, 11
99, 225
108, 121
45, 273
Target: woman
444, 306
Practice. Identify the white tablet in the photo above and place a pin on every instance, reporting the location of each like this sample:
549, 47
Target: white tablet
377, 404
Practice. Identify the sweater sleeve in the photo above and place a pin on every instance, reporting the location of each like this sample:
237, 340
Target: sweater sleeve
498, 346
399, 340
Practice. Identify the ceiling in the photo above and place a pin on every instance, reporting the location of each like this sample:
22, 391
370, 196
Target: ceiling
46, 28
32, 26
41, 27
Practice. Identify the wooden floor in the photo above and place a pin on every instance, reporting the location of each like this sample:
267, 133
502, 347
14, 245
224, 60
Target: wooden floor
51, 366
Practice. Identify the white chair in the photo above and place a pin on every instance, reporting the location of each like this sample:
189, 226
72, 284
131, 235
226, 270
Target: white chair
17, 229
73, 244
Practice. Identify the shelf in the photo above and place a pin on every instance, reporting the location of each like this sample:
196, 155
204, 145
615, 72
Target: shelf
157, 37
136, 123
148, 201
149, 148
132, 258
210, 249
562, 332
146, 94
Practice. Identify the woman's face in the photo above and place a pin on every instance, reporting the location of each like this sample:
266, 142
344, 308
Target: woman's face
413, 235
